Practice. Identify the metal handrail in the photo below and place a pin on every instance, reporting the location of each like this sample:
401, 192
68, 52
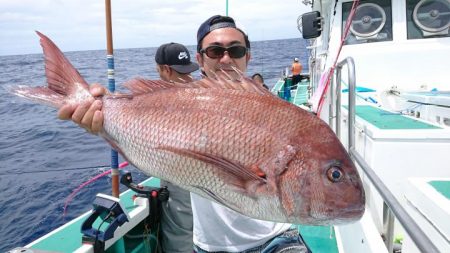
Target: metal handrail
422, 241
351, 98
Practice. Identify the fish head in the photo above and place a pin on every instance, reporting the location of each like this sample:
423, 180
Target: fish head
321, 184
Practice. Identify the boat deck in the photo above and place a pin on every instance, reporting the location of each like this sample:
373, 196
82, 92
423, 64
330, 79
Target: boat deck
429, 204
441, 186
320, 239
399, 147
388, 120
67, 238
298, 96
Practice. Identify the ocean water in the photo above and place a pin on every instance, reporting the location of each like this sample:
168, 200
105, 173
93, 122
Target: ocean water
43, 159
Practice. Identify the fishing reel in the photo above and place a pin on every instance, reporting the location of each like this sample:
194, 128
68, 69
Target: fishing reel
144, 191
154, 195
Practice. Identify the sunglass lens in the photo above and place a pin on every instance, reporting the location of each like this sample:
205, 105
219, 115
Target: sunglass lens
237, 51
215, 52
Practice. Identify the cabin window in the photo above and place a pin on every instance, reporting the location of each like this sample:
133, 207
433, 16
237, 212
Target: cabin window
372, 22
427, 18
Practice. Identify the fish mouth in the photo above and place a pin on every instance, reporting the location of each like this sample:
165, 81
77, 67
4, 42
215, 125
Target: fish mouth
356, 209
340, 218
343, 213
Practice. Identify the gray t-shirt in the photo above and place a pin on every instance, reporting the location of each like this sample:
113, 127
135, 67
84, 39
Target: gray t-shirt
176, 220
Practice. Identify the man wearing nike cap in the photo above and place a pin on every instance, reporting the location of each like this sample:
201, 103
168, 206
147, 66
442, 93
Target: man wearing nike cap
174, 63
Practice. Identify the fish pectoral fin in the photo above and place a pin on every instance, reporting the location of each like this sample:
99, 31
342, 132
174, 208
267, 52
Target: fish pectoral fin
233, 173
215, 197
257, 170
282, 159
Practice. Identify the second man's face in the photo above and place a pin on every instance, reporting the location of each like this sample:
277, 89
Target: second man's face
224, 37
168, 74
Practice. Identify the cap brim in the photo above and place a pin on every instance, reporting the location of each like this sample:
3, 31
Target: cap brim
185, 69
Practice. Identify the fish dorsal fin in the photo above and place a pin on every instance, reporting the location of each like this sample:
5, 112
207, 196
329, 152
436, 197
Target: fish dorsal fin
141, 86
223, 80
62, 77
219, 81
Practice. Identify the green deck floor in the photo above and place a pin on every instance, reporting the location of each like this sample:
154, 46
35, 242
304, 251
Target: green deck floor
441, 186
277, 86
301, 94
388, 120
320, 239
380, 118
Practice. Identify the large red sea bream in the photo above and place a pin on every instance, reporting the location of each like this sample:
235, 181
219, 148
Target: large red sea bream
226, 140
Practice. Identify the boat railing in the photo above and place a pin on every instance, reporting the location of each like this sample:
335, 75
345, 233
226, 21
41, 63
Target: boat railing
392, 206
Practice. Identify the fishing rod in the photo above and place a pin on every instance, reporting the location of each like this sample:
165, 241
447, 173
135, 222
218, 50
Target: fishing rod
226, 8
112, 88
8, 173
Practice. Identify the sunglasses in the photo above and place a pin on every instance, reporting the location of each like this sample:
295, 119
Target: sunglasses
217, 52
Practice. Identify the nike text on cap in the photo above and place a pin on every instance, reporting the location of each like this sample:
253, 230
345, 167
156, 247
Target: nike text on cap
177, 57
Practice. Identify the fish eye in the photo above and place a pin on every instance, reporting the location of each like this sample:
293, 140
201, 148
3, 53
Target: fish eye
335, 174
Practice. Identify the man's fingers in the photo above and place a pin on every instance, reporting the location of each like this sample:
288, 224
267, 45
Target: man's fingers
97, 90
65, 112
97, 122
86, 121
88, 114
79, 112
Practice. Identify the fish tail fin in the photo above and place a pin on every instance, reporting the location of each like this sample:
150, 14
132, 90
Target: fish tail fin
41, 95
64, 82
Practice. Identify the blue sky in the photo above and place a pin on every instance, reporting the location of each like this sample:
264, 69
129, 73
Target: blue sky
80, 24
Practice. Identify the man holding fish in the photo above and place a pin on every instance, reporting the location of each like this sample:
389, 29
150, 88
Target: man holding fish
220, 138
222, 47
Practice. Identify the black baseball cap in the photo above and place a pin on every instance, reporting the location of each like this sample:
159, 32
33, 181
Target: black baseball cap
177, 57
216, 22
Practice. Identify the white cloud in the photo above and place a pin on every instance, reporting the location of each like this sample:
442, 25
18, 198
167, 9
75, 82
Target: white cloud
80, 25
